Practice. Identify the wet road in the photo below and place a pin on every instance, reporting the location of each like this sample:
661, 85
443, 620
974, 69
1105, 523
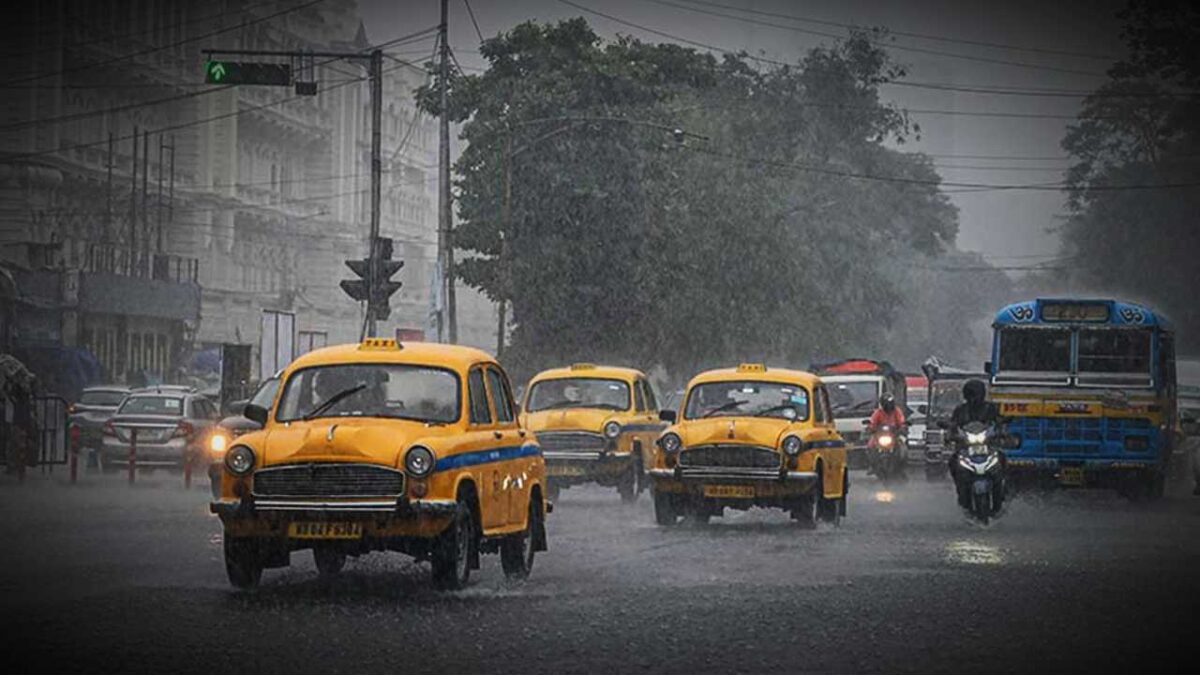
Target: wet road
103, 577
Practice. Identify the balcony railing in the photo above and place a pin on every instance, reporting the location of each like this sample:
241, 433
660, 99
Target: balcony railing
108, 259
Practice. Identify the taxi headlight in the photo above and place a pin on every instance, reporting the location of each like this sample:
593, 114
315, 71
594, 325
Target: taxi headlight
419, 461
612, 430
219, 443
239, 460
792, 445
671, 443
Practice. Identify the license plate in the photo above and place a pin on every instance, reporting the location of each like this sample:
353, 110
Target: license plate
1071, 475
564, 470
734, 491
325, 530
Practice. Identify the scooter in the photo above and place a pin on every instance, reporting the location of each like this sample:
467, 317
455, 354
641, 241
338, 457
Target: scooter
888, 452
978, 469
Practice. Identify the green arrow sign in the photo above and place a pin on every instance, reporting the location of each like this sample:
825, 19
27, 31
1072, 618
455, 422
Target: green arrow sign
215, 71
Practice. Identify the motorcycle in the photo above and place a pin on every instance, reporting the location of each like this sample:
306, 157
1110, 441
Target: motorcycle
978, 470
888, 452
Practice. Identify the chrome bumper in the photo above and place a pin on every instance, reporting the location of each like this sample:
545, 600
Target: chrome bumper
734, 473
399, 506
575, 455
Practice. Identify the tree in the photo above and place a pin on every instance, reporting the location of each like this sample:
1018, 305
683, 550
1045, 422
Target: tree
1139, 130
750, 239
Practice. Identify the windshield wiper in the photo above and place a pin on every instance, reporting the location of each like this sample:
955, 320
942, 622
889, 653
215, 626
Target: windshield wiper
329, 403
775, 408
560, 404
724, 407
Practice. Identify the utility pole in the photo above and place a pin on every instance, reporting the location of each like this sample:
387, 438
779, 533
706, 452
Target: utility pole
144, 230
108, 208
158, 230
171, 188
133, 201
506, 228
376, 77
445, 241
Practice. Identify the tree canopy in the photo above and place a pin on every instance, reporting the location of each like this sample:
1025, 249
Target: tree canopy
671, 208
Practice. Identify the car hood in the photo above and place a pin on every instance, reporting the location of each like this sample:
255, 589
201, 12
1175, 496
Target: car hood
764, 431
573, 419
338, 439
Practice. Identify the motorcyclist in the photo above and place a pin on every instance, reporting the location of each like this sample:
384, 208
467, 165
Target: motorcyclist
974, 408
887, 415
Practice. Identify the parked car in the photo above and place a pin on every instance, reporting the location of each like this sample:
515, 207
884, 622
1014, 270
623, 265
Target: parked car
171, 424
94, 407
235, 424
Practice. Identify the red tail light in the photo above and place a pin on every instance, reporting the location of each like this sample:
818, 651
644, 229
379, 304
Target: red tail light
109, 429
185, 429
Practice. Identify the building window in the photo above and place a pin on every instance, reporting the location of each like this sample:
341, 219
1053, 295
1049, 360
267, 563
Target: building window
310, 340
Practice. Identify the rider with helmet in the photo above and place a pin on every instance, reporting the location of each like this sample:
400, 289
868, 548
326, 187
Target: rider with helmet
887, 415
974, 408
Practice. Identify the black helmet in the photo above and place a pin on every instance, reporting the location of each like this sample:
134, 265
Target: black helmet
887, 402
974, 391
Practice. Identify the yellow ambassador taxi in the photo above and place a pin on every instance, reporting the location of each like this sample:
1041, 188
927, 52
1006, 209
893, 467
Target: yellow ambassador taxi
751, 436
411, 447
595, 424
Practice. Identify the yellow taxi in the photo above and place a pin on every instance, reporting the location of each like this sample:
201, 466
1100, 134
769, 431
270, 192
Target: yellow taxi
595, 424
751, 436
413, 447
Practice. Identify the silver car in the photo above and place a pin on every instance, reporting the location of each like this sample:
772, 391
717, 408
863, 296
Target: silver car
170, 425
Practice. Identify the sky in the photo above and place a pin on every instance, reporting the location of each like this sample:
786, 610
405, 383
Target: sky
989, 139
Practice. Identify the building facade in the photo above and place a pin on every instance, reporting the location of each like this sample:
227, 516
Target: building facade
146, 219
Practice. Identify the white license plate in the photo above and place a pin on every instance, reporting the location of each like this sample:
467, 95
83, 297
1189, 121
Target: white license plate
323, 530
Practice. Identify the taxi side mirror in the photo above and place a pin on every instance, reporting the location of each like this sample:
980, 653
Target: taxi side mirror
255, 413
667, 416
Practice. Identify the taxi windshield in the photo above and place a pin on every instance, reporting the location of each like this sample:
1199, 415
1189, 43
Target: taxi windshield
578, 392
748, 399
398, 391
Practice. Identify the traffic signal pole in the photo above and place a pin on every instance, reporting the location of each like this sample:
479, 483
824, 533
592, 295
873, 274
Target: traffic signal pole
217, 72
376, 73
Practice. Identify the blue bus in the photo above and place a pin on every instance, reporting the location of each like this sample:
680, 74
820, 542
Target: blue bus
1089, 389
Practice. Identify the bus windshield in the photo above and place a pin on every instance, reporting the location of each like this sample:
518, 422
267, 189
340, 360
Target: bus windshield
1109, 356
1034, 354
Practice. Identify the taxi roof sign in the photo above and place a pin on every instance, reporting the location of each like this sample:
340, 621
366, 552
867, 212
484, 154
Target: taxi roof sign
751, 368
380, 344
583, 366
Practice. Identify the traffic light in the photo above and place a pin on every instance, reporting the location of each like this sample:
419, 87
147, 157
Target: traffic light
375, 291
247, 72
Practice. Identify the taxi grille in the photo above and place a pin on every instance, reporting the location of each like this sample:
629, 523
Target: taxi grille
328, 480
725, 456
552, 441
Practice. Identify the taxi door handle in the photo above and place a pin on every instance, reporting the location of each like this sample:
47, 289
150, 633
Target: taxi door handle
497, 434
521, 433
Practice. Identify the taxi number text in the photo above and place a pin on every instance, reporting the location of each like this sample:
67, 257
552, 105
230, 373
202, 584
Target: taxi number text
1071, 475
736, 491
325, 530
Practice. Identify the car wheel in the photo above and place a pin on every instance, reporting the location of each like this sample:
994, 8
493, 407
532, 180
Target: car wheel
665, 510
805, 512
329, 561
628, 485
243, 562
452, 550
516, 551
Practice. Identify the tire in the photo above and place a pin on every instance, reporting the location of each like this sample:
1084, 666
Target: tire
665, 511
243, 562
329, 561
805, 512
451, 557
628, 485
517, 551
830, 510
981, 507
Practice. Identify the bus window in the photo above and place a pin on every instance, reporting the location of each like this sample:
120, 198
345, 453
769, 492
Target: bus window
1114, 351
1035, 351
